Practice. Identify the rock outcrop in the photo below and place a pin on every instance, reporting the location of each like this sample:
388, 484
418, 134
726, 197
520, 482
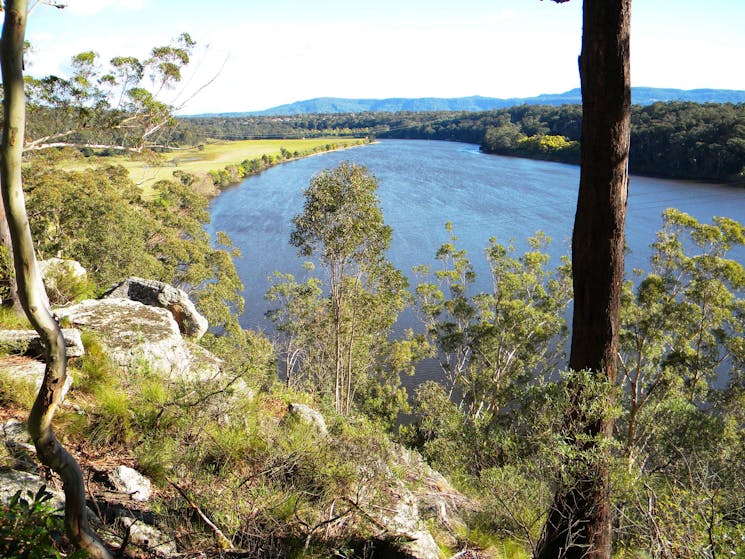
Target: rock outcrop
412, 498
437, 500
134, 333
165, 296
28, 342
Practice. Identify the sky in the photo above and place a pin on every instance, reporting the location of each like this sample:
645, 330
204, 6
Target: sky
257, 54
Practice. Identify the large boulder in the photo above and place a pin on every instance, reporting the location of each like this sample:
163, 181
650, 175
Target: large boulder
28, 342
134, 333
162, 295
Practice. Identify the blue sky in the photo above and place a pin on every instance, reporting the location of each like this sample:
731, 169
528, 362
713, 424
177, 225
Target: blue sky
269, 52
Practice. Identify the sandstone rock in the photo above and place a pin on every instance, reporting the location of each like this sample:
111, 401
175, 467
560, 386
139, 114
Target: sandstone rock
134, 333
309, 416
131, 482
28, 342
29, 370
415, 496
148, 537
12, 481
405, 527
18, 444
162, 295
436, 498
420, 545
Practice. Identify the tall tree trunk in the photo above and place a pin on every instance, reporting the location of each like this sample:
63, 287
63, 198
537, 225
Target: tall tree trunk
30, 287
578, 525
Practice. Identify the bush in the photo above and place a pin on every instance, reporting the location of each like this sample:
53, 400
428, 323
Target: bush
30, 530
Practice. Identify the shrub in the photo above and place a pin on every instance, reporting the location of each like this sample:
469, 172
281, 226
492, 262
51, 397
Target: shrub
30, 530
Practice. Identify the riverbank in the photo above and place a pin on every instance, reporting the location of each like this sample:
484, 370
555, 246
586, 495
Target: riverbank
234, 173
212, 164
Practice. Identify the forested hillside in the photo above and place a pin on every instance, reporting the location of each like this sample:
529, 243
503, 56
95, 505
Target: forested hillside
682, 140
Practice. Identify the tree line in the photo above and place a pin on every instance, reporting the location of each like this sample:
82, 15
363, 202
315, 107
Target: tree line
681, 140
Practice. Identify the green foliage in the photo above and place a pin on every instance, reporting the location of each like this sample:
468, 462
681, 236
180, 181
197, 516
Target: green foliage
338, 345
111, 421
681, 364
492, 347
94, 367
102, 221
29, 528
556, 148
682, 325
98, 220
440, 430
516, 499
247, 355
116, 105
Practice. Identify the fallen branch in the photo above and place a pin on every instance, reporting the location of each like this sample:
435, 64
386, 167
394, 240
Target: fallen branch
222, 541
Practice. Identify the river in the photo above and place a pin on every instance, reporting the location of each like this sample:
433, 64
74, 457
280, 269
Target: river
424, 184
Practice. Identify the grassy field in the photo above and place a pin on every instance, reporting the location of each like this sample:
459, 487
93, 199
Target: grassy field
214, 156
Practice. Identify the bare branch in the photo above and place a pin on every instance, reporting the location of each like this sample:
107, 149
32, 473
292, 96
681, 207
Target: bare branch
222, 541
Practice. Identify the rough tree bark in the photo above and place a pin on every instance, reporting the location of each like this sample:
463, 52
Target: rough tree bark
578, 524
30, 288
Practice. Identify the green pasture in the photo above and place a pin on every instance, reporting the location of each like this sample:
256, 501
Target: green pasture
213, 155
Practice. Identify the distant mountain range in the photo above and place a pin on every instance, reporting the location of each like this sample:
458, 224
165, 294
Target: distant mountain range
331, 105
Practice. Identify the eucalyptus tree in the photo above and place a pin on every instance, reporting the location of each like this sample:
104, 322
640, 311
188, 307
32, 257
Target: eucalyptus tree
342, 226
115, 106
681, 369
31, 289
493, 346
682, 330
89, 109
579, 519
